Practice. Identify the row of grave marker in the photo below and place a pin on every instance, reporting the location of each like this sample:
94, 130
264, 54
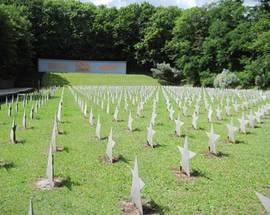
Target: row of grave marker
50, 182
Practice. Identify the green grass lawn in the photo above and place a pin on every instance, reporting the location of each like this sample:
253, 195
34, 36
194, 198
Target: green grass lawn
51, 79
225, 185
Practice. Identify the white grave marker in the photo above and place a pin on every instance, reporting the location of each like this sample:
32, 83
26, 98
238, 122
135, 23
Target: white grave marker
186, 156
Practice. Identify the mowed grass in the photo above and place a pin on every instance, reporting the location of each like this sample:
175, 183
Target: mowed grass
51, 79
224, 186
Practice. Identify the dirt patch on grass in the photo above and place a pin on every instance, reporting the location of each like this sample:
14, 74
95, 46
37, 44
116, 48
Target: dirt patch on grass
194, 173
44, 184
60, 149
6, 164
104, 159
219, 155
181, 175
129, 208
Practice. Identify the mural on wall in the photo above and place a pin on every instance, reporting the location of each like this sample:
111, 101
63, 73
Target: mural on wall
53, 65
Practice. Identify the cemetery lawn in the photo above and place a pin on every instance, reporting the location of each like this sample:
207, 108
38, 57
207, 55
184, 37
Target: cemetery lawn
224, 185
52, 79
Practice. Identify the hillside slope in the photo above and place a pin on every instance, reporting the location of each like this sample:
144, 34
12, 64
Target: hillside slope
61, 79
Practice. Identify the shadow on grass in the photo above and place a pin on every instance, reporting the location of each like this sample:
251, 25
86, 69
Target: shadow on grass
62, 132
52, 79
176, 136
153, 208
119, 120
226, 141
198, 173
159, 145
6, 165
104, 138
65, 122
20, 142
66, 149
240, 142
201, 129
137, 130
54, 97
149, 208
160, 124
67, 182
166, 83
221, 155
121, 158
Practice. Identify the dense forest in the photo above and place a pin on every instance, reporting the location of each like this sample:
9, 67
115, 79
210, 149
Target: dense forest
200, 42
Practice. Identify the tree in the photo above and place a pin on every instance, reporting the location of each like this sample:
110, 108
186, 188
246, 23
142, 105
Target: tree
158, 32
226, 79
200, 41
258, 63
185, 48
16, 59
222, 47
7, 45
127, 30
165, 73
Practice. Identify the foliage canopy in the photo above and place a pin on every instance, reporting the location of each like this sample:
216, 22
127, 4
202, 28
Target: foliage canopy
200, 41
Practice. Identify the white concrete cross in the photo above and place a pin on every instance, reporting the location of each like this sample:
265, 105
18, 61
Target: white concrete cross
212, 140
243, 123
130, 121
110, 145
91, 117
178, 125
150, 134
137, 186
194, 120
186, 156
50, 168
265, 202
231, 132
98, 129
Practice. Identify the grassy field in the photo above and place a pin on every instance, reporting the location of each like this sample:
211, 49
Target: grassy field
51, 79
224, 185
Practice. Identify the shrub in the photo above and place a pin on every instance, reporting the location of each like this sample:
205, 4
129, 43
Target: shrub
226, 79
258, 81
165, 72
262, 81
245, 79
207, 78
260, 68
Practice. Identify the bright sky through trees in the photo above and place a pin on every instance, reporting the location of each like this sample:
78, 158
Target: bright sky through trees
179, 3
